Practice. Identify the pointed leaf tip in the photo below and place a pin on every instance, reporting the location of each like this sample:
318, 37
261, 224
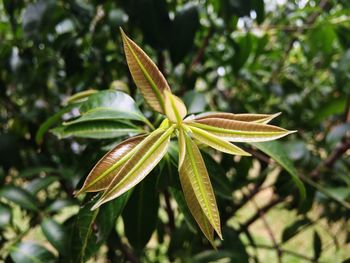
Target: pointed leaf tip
145, 157
146, 75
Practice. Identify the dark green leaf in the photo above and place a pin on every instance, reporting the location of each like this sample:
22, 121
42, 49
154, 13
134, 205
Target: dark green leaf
317, 243
141, 212
195, 102
293, 229
276, 150
40, 183
55, 234
50, 122
27, 252
20, 197
5, 215
185, 26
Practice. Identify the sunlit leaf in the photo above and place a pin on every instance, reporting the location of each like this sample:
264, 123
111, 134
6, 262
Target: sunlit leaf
278, 153
182, 147
147, 155
81, 96
146, 75
109, 165
240, 131
28, 252
258, 118
195, 179
195, 208
175, 109
216, 142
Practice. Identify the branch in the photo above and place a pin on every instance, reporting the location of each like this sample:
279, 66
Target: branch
269, 231
198, 57
274, 201
332, 158
169, 210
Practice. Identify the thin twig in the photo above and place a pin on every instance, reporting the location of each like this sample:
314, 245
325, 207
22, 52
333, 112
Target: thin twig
269, 231
286, 251
169, 210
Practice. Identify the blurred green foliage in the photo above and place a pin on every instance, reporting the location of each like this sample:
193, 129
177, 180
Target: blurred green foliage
234, 56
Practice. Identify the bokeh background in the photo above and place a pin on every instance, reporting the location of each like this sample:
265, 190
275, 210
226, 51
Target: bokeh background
225, 55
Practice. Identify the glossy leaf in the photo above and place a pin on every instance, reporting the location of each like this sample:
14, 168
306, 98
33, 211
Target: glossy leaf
28, 252
248, 117
195, 179
108, 105
240, 131
216, 142
146, 157
55, 233
5, 215
141, 212
278, 153
109, 165
81, 96
50, 122
40, 183
175, 109
19, 196
146, 75
97, 130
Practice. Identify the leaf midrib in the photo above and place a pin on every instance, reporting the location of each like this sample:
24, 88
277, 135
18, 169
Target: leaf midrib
195, 171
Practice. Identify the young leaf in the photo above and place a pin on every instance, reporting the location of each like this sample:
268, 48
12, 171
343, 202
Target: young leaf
196, 209
194, 178
175, 109
258, 118
216, 142
146, 75
109, 165
240, 131
146, 157
182, 147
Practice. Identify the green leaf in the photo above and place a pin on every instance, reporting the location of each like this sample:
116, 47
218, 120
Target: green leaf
109, 165
293, 229
90, 229
19, 196
185, 26
278, 153
197, 188
51, 121
97, 130
5, 215
195, 101
147, 155
146, 75
141, 212
317, 244
59, 204
108, 105
216, 142
28, 252
81, 96
181, 202
56, 234
40, 183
